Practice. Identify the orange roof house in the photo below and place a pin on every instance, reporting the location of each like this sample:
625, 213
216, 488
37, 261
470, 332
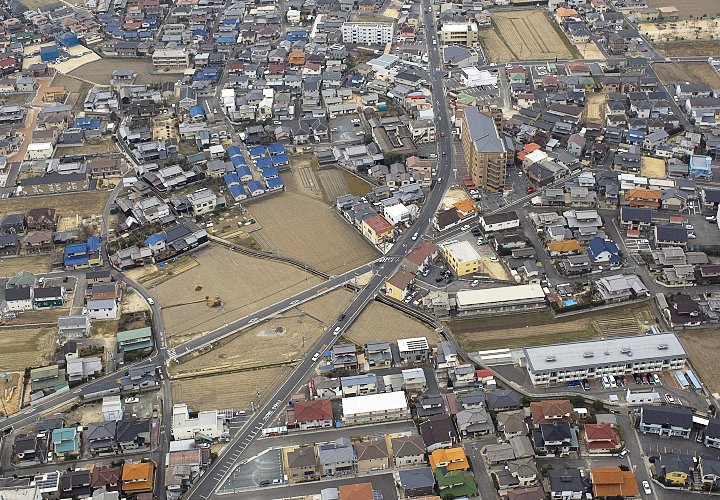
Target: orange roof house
451, 458
376, 228
553, 410
613, 482
465, 207
563, 247
296, 58
359, 491
138, 478
528, 148
643, 198
600, 437
564, 12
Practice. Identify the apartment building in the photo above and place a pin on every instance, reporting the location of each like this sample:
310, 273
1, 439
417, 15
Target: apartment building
459, 34
485, 151
177, 59
368, 33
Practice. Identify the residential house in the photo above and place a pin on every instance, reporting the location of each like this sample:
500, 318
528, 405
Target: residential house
553, 410
512, 423
453, 484
671, 235
566, 484
414, 350
378, 355
138, 477
408, 451
474, 422
336, 458
612, 482
371, 455
438, 431
450, 458
105, 309
313, 414
302, 464
712, 434
66, 442
419, 482
601, 438
207, 424
666, 421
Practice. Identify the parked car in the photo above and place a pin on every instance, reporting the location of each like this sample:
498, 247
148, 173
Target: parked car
689, 226
692, 236
475, 283
711, 218
623, 453
669, 398
585, 384
129, 401
646, 488
465, 227
530, 190
316, 356
637, 378
655, 378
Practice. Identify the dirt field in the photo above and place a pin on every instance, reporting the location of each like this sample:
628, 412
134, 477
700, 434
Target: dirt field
278, 340
686, 8
689, 48
302, 178
653, 167
702, 347
35, 264
233, 390
11, 390
541, 328
334, 184
382, 322
525, 35
133, 302
589, 50
692, 29
22, 348
243, 284
595, 107
100, 71
94, 146
309, 230
89, 203
678, 72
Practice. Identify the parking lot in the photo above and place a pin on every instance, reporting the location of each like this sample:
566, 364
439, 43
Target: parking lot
253, 474
342, 129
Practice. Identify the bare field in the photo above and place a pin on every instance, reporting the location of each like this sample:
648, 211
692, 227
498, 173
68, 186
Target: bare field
277, 340
22, 348
232, 390
243, 284
595, 107
333, 183
91, 147
309, 230
525, 35
36, 264
541, 328
686, 8
689, 29
100, 71
679, 72
83, 203
689, 48
302, 178
702, 346
382, 322
11, 386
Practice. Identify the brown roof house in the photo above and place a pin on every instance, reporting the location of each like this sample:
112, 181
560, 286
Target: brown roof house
553, 410
41, 219
306, 415
302, 464
371, 455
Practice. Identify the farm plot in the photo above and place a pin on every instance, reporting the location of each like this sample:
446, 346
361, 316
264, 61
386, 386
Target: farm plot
543, 328
309, 230
525, 35
679, 72
223, 287
22, 348
84, 203
36, 264
11, 385
689, 48
696, 8
702, 347
382, 322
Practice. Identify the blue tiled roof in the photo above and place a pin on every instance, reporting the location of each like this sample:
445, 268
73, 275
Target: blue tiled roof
93, 243
234, 150
154, 238
237, 191
75, 248
197, 111
257, 151
276, 149
281, 159
238, 161
263, 162
270, 172
231, 178
597, 246
243, 171
274, 183
255, 186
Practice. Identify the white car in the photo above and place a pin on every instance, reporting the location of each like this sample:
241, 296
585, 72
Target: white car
689, 226
355, 120
316, 356
692, 236
131, 400
151, 301
414, 237
493, 259
475, 283
336, 331
669, 398
465, 227
646, 488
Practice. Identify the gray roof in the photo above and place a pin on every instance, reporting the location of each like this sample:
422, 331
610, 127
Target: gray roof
416, 478
483, 132
339, 451
566, 480
664, 415
603, 352
408, 446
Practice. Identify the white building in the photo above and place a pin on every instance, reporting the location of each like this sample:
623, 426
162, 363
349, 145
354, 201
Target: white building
170, 59
368, 33
102, 309
372, 408
499, 222
473, 77
112, 408
203, 201
397, 214
637, 398
500, 299
207, 423
39, 151
562, 363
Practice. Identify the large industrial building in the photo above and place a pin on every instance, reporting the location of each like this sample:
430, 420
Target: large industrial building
484, 149
501, 299
562, 363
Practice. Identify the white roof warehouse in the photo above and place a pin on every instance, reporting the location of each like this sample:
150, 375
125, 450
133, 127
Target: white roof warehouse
561, 363
500, 299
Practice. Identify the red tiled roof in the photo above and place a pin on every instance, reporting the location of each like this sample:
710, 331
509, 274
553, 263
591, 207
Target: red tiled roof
319, 409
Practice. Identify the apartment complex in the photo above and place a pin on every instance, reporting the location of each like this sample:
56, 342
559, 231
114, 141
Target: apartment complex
462, 258
459, 34
368, 33
171, 59
385, 407
485, 151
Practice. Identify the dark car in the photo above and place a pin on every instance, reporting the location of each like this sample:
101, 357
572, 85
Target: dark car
438, 280
265, 482
586, 384
638, 379
342, 317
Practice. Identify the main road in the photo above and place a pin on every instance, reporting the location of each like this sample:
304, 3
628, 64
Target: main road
223, 466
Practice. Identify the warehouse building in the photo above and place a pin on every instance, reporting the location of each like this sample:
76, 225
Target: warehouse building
562, 363
501, 299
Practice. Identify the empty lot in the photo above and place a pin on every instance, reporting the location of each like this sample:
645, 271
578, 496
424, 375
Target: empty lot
689, 48
22, 348
243, 284
100, 71
36, 264
687, 8
525, 35
679, 72
702, 346
309, 230
381, 322
85, 203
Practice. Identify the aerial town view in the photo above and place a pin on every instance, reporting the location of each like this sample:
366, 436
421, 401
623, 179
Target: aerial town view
359, 249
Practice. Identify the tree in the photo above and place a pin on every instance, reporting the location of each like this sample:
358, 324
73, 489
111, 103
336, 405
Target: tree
598, 405
577, 401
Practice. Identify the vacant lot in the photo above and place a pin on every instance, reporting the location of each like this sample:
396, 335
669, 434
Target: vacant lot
243, 284
679, 72
382, 322
702, 347
542, 328
85, 203
689, 48
277, 340
334, 184
595, 107
653, 167
10, 390
524, 35
309, 230
232, 390
100, 71
22, 348
36, 264
687, 8
691, 29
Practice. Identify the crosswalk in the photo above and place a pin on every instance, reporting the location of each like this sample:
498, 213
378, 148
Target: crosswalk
172, 354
